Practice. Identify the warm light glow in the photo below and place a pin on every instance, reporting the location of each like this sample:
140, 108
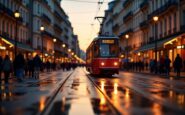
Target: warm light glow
46, 54
54, 40
72, 53
63, 45
42, 103
180, 47
115, 88
102, 63
102, 85
139, 54
17, 14
115, 63
122, 56
2, 48
126, 36
155, 18
69, 50
42, 28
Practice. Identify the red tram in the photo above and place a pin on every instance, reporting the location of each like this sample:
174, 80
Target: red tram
102, 56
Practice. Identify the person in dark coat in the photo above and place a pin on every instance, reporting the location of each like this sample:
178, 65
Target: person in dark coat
1, 69
167, 62
7, 68
19, 64
30, 67
178, 64
37, 63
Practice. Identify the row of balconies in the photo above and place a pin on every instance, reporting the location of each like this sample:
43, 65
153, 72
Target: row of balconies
163, 8
126, 3
144, 4
128, 16
58, 28
46, 18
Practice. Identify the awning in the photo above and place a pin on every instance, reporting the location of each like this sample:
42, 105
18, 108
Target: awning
19, 45
160, 44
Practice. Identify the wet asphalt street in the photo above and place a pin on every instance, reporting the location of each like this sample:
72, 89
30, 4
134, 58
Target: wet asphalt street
78, 93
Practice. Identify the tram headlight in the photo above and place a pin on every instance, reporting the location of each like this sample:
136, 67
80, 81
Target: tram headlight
102, 63
115, 63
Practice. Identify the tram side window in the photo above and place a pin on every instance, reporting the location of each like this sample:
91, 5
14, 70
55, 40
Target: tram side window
96, 51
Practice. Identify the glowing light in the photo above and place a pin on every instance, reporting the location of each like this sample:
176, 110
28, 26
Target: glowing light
63, 45
42, 28
102, 85
54, 40
17, 14
126, 36
115, 88
42, 103
2, 48
115, 63
139, 54
102, 63
155, 18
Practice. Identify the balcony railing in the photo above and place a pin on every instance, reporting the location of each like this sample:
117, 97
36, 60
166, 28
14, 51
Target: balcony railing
127, 2
46, 18
128, 16
115, 27
58, 28
143, 24
144, 4
164, 8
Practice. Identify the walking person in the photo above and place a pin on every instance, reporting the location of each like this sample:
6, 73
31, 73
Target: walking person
1, 69
37, 63
178, 65
167, 62
7, 68
19, 64
30, 67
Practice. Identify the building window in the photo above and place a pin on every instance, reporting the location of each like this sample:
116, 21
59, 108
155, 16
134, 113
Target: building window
184, 17
170, 25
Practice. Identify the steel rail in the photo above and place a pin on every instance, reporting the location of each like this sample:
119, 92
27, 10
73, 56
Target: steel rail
111, 105
52, 98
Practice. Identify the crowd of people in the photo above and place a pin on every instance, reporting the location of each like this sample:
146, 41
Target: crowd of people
31, 67
158, 67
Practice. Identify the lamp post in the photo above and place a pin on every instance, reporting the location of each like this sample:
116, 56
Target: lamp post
127, 37
54, 40
42, 30
17, 16
155, 19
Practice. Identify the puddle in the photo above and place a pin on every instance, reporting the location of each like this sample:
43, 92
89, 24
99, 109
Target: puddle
174, 97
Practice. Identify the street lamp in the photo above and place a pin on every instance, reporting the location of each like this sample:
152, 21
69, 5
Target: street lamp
17, 16
42, 30
69, 50
63, 45
54, 40
127, 37
155, 19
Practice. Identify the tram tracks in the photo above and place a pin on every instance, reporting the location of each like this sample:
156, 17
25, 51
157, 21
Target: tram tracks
113, 108
51, 99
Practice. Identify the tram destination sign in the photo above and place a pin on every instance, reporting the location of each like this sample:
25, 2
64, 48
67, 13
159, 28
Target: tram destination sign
108, 41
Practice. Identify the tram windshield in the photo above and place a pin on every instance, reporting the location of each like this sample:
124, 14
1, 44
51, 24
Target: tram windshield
108, 50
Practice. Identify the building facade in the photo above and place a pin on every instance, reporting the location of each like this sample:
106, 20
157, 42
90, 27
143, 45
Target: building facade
51, 44
140, 35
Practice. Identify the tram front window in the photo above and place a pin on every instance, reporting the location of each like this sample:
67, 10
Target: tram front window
108, 50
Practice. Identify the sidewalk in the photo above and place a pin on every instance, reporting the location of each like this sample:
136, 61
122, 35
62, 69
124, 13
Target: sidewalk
172, 74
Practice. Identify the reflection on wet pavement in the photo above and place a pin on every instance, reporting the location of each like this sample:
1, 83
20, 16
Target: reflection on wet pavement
129, 101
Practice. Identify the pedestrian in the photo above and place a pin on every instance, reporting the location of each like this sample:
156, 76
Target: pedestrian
37, 65
7, 68
1, 69
48, 65
30, 67
178, 64
19, 64
167, 62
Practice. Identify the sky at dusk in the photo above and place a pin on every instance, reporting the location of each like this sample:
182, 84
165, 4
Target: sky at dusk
81, 14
